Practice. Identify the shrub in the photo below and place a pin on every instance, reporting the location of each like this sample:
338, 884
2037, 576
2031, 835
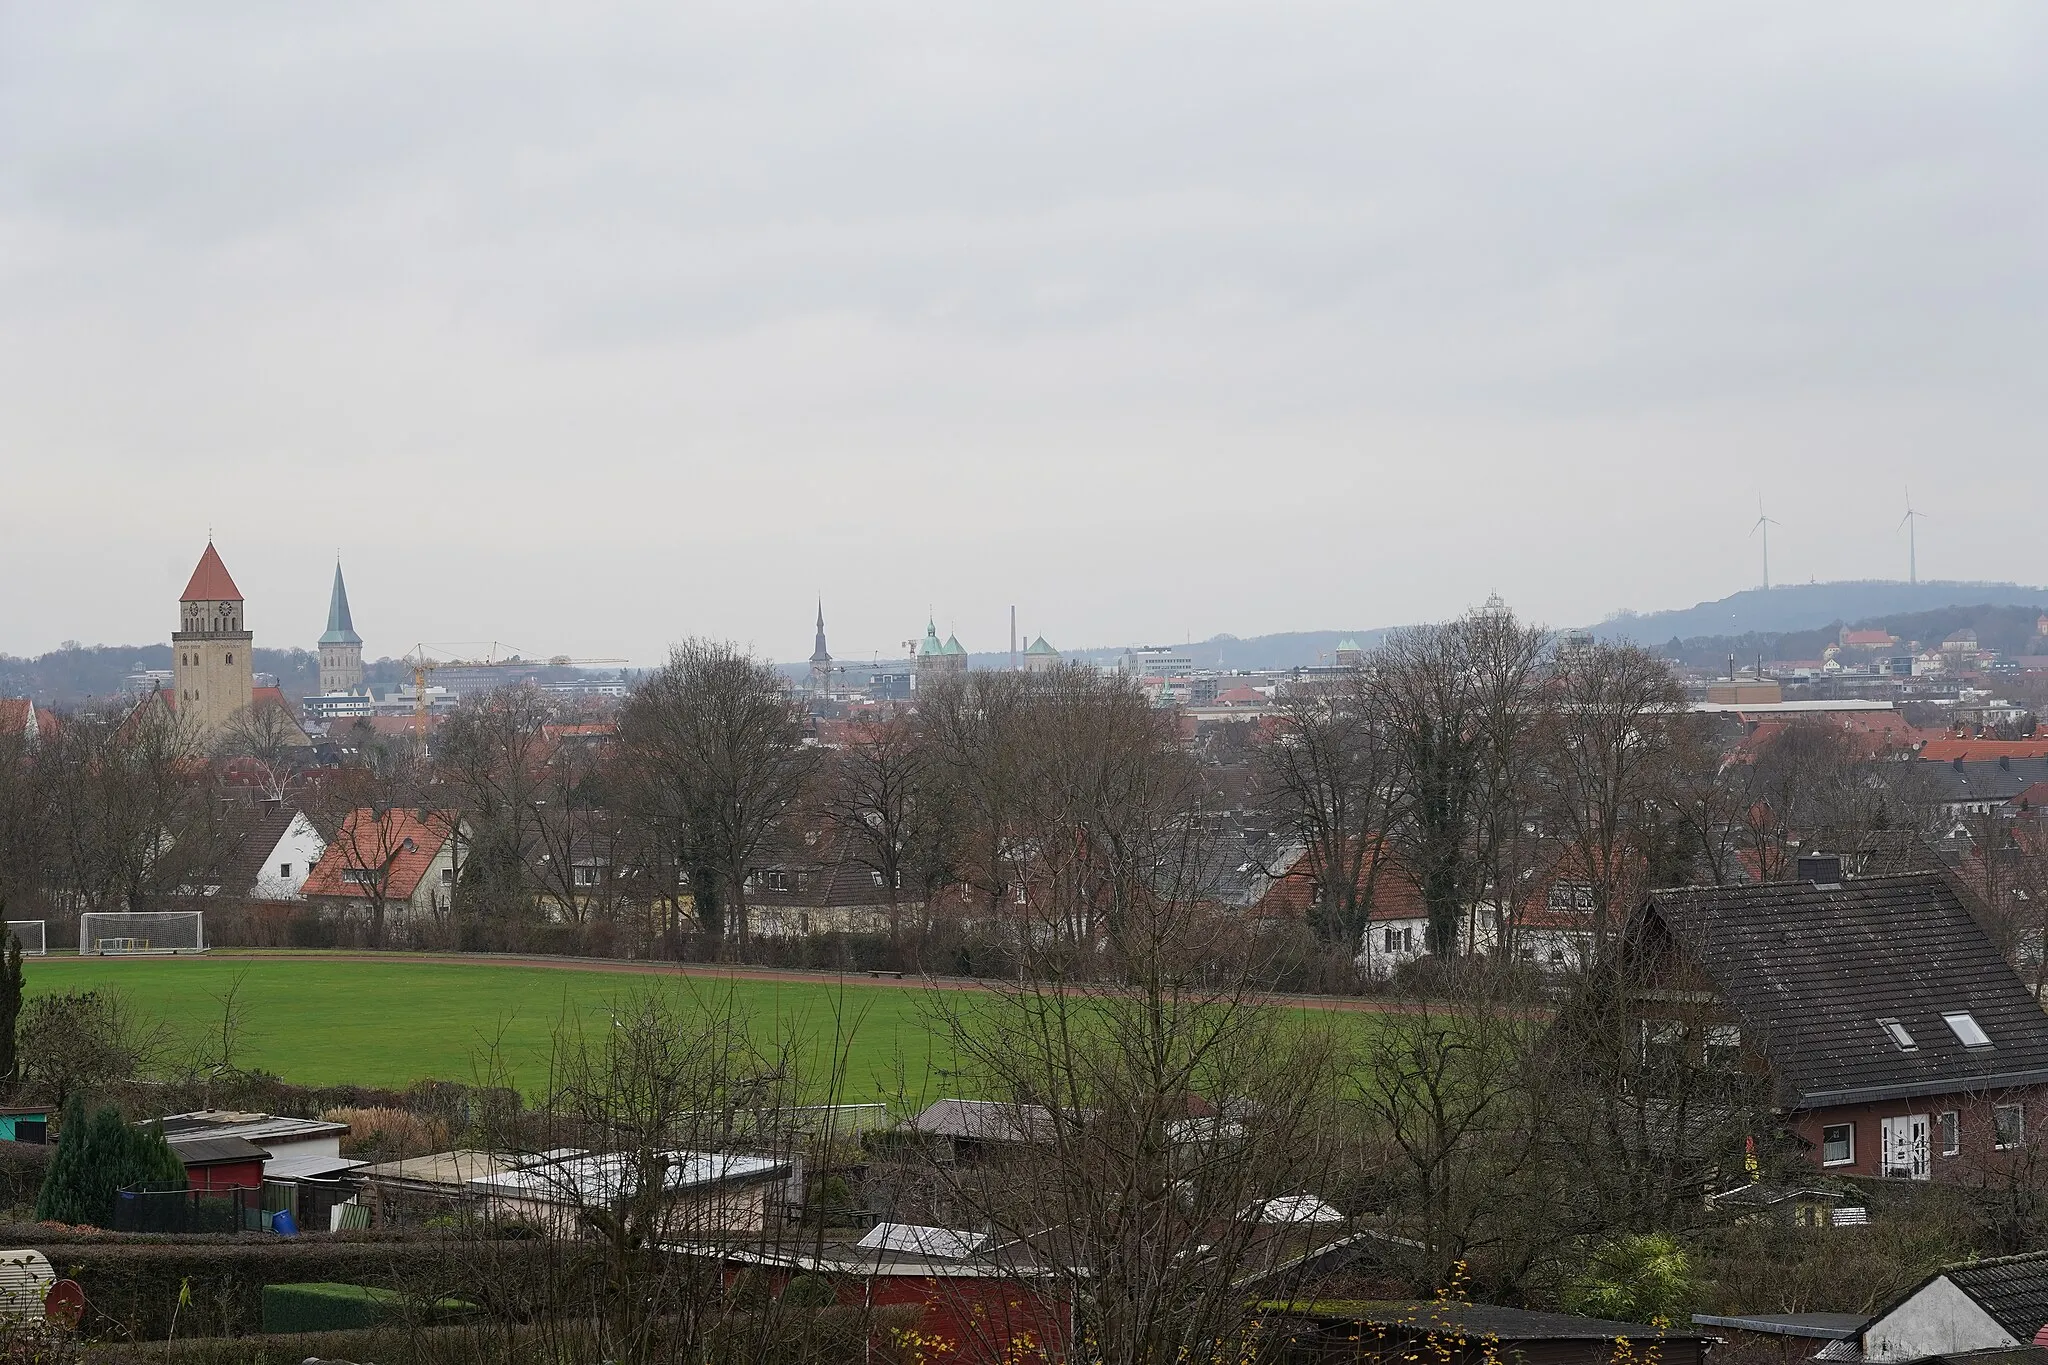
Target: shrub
97, 1157
389, 1134
1637, 1277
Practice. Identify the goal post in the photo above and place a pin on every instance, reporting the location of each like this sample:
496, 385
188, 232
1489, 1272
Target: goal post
155, 932
29, 933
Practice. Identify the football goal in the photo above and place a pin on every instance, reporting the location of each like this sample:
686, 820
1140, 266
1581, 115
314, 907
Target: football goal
30, 933
149, 931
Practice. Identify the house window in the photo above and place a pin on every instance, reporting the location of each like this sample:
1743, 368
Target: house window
2009, 1122
1899, 1035
1663, 1043
1950, 1126
803, 881
1571, 896
359, 876
1838, 1144
1401, 940
1966, 1029
1724, 1046
775, 880
231, 656
447, 876
584, 876
877, 876
284, 869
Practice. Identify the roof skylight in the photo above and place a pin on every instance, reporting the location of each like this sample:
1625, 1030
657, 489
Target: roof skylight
1966, 1028
1899, 1035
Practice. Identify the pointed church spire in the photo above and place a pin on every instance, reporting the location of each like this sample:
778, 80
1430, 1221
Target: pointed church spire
340, 629
821, 655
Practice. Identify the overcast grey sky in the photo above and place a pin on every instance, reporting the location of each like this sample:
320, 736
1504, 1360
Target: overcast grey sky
590, 328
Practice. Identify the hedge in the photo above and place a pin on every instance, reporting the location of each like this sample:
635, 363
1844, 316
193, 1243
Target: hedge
22, 1168
838, 1337
326, 1307
132, 1289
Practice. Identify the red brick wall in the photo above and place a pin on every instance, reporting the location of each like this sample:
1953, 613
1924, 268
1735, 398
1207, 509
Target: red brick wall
1978, 1152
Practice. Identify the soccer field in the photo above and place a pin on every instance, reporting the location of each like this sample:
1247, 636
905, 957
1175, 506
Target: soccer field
389, 1020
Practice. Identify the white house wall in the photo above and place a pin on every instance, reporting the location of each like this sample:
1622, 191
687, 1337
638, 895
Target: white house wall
299, 847
1939, 1320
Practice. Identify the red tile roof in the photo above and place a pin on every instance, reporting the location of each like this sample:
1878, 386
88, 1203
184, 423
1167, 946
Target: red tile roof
1950, 748
210, 581
1853, 638
401, 844
17, 716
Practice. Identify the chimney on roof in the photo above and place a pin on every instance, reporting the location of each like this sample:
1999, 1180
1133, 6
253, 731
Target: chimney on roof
1822, 869
2005, 763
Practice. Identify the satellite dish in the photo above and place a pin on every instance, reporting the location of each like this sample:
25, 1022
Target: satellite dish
64, 1305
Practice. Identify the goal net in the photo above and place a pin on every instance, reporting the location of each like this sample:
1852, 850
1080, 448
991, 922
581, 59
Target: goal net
30, 933
150, 931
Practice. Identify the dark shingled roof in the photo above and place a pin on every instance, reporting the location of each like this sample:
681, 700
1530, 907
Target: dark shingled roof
2012, 1289
218, 1151
1809, 970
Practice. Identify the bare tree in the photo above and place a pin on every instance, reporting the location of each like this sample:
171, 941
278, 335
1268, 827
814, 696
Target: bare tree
365, 814
717, 745
1327, 778
1606, 746
1453, 700
266, 731
878, 795
1161, 1116
491, 754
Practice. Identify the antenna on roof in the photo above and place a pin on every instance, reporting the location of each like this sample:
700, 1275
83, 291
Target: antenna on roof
1911, 521
1764, 524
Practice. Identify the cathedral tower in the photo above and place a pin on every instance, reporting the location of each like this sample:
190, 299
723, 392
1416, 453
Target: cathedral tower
341, 649
821, 659
213, 676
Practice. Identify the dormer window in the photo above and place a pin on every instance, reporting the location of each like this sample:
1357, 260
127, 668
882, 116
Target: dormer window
1967, 1030
1899, 1035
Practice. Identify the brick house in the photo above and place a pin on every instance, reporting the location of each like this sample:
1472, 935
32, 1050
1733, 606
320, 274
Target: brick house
1889, 1033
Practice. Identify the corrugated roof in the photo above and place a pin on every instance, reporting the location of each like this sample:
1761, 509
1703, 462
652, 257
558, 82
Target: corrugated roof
1810, 970
210, 581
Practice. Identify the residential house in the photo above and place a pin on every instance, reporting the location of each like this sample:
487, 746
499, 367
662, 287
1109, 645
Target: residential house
1877, 1015
1963, 786
273, 848
19, 719
407, 859
809, 884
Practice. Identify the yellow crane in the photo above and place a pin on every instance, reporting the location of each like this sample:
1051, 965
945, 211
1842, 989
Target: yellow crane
497, 655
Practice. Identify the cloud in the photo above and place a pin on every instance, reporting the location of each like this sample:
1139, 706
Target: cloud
591, 329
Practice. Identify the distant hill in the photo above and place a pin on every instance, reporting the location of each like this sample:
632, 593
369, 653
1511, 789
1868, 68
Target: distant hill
76, 674
1810, 606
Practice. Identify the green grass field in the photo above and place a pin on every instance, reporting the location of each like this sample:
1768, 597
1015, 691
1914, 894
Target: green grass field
389, 1021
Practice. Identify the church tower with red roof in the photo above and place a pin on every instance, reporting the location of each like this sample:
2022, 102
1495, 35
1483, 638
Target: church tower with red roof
213, 677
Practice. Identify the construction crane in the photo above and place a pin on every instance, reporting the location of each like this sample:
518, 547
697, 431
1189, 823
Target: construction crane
496, 655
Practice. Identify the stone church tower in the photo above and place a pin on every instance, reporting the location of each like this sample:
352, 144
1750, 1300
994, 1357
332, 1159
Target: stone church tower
341, 649
214, 678
821, 659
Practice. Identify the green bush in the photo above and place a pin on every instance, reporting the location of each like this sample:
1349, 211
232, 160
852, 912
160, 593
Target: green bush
98, 1156
133, 1287
1636, 1277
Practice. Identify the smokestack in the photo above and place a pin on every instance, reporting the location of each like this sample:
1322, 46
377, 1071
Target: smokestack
1013, 637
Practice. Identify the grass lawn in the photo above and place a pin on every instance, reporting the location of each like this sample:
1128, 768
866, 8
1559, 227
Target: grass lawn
389, 1021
